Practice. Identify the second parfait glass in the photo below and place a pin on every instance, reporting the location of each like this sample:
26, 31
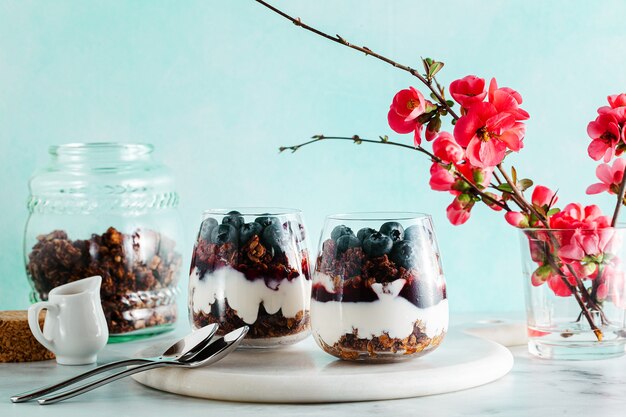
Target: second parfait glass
250, 266
378, 287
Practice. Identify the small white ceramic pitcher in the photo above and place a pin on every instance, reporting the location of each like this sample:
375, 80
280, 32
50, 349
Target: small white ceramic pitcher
75, 328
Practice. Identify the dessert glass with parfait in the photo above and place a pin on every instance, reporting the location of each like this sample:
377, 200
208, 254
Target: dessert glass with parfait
379, 292
250, 266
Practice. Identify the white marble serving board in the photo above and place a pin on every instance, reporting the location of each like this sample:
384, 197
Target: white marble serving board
303, 373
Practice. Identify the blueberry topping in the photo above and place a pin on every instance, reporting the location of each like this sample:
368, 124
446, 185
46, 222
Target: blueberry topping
393, 229
377, 244
345, 242
233, 218
339, 231
248, 230
413, 233
206, 228
274, 237
365, 232
403, 254
224, 233
267, 220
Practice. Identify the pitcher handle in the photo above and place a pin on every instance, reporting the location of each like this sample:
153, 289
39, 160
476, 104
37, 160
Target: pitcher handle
33, 322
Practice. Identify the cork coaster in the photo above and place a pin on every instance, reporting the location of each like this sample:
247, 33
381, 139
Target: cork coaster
17, 343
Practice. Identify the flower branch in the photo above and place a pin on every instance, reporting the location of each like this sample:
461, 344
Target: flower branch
367, 51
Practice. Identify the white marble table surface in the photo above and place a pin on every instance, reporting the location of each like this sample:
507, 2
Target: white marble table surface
533, 388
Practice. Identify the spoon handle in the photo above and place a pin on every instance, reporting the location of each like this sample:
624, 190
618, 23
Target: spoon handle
31, 395
103, 381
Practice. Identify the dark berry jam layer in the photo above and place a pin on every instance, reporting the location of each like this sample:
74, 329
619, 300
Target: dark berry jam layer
377, 259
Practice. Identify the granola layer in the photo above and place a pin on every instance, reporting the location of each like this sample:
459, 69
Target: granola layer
266, 326
352, 347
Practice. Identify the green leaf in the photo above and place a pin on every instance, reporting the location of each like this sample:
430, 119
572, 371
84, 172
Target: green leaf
424, 117
514, 174
450, 103
434, 68
384, 138
433, 96
434, 125
506, 188
524, 184
430, 108
553, 211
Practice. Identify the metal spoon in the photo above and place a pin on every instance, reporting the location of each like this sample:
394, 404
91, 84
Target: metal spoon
188, 347
211, 353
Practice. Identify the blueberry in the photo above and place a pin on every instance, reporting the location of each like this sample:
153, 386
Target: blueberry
267, 220
345, 242
339, 231
224, 233
413, 233
248, 230
234, 218
274, 237
377, 244
403, 254
365, 232
206, 228
393, 229
296, 229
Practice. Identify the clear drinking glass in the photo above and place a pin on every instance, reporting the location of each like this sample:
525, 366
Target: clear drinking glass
575, 292
250, 266
107, 209
378, 287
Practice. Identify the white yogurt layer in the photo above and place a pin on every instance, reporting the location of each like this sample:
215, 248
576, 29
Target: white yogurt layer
389, 314
245, 296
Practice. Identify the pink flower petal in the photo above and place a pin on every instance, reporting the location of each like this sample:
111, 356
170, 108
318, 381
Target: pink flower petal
597, 188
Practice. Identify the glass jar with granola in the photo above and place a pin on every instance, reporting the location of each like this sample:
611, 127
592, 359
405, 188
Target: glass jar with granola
107, 209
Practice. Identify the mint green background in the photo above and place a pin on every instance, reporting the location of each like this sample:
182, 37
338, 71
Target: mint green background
219, 86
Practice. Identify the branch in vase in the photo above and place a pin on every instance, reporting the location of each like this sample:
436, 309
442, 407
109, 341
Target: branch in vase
367, 51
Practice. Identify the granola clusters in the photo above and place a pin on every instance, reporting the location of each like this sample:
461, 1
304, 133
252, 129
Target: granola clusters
378, 273
139, 273
351, 347
254, 274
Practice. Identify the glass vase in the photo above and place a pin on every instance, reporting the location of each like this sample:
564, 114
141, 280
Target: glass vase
575, 292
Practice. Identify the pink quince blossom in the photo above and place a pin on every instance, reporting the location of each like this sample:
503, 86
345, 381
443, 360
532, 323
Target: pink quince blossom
543, 196
610, 177
406, 107
458, 212
585, 245
615, 101
468, 90
516, 219
502, 98
560, 288
575, 216
605, 134
441, 178
446, 148
490, 128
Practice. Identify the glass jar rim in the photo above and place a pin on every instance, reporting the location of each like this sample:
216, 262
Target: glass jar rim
253, 211
83, 148
379, 216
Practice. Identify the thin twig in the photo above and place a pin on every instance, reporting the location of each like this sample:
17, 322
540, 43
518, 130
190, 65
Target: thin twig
521, 201
434, 158
367, 51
